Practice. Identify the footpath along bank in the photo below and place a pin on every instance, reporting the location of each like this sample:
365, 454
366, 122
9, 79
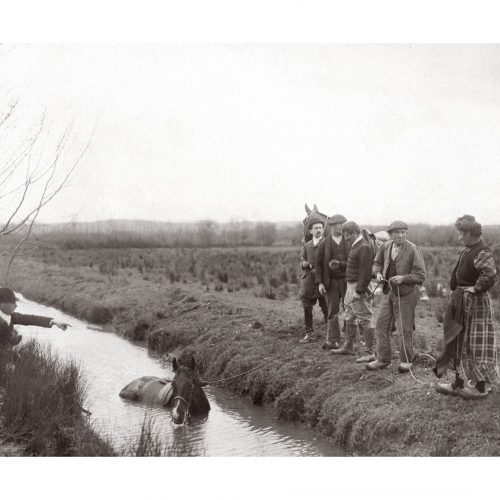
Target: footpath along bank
368, 413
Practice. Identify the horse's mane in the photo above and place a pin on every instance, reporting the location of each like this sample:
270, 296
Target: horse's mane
184, 359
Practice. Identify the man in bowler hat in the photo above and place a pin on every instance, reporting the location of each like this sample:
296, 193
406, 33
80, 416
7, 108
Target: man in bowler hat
9, 318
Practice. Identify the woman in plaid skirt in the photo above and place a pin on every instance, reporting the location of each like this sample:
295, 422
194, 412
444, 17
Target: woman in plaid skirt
471, 348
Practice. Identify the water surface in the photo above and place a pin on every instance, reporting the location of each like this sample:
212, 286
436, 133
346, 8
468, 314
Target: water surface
233, 427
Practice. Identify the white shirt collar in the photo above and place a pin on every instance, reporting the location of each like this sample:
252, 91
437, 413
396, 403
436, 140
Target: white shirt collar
359, 238
5, 317
316, 241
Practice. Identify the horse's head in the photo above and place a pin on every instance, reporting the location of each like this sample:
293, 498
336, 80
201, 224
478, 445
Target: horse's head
316, 214
188, 395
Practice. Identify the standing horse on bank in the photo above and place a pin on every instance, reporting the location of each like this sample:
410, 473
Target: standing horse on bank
184, 393
374, 239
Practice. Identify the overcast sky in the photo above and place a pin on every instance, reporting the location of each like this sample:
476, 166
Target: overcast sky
233, 132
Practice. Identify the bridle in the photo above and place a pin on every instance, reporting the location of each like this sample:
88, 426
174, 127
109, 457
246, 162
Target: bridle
187, 413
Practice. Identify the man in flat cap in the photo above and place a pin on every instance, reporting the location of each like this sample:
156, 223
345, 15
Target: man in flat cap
358, 278
9, 318
401, 263
309, 293
331, 264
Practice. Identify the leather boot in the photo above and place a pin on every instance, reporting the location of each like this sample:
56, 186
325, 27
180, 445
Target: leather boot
348, 347
369, 346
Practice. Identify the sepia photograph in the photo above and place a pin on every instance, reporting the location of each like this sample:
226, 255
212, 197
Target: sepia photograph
258, 250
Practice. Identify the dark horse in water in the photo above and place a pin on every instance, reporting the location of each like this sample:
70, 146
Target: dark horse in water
184, 392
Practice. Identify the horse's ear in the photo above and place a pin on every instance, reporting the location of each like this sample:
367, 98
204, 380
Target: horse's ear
175, 366
315, 208
192, 363
308, 210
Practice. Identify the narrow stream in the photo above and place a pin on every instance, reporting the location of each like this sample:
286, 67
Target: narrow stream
233, 427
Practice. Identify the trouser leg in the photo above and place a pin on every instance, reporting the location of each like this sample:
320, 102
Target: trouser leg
383, 329
352, 329
334, 295
360, 313
370, 340
324, 307
404, 314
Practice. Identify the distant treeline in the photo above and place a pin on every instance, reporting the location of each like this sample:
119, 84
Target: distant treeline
206, 234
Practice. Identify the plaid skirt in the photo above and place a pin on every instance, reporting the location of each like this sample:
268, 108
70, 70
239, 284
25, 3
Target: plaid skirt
476, 354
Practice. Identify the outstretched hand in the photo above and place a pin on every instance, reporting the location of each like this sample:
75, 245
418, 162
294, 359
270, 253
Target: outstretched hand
60, 324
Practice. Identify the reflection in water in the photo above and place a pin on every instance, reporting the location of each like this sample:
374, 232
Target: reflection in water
232, 428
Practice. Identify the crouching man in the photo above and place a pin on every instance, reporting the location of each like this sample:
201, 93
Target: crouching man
358, 277
9, 318
309, 293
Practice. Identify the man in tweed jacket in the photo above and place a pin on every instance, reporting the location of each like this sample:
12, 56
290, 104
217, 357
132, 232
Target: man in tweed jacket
401, 263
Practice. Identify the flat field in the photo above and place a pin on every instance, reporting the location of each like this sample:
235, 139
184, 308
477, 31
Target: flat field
234, 308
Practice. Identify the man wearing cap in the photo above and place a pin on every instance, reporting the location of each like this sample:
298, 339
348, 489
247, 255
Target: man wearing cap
9, 318
358, 278
400, 263
331, 264
309, 293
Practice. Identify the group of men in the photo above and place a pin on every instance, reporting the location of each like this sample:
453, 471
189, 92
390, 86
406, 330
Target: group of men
337, 272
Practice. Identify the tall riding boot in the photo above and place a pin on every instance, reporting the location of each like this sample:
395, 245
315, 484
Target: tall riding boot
369, 346
348, 347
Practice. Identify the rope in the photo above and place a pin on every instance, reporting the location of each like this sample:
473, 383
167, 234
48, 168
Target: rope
284, 353
211, 382
404, 344
242, 374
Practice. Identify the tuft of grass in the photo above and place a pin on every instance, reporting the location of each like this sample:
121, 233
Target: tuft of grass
42, 405
149, 443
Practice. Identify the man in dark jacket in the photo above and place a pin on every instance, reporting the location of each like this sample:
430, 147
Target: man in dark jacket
330, 275
358, 278
401, 263
9, 318
308, 288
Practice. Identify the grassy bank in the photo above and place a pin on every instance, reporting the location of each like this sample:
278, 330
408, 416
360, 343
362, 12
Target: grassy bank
41, 406
367, 413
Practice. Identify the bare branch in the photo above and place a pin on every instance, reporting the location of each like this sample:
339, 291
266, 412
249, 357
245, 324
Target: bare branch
45, 200
9, 113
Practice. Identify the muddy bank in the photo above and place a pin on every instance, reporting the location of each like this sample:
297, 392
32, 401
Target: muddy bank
367, 413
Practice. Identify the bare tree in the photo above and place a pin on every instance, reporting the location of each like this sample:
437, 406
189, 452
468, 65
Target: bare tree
34, 168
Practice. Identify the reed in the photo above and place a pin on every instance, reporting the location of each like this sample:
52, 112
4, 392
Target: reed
42, 405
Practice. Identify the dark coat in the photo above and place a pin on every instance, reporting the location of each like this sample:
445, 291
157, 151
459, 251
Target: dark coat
329, 250
308, 286
359, 265
20, 319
